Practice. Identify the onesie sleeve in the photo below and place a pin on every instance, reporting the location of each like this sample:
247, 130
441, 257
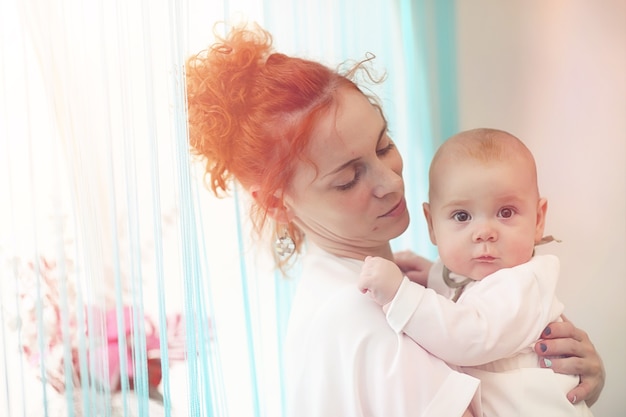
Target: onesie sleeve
493, 319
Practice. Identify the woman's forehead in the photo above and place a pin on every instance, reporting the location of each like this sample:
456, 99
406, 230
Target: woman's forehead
350, 128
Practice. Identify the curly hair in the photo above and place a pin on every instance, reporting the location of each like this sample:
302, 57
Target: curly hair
251, 115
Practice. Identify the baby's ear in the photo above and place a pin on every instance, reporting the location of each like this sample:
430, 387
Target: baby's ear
429, 221
542, 209
274, 204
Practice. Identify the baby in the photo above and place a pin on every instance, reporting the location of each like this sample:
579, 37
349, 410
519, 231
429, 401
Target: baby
490, 296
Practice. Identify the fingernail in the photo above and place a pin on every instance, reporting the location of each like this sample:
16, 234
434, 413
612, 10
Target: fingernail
574, 400
547, 362
547, 331
543, 347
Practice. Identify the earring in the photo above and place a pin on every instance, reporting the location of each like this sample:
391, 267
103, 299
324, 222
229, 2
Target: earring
284, 245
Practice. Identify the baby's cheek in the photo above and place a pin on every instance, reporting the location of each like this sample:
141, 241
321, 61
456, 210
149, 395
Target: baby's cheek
449, 255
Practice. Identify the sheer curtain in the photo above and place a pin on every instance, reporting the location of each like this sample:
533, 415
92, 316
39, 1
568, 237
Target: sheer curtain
126, 288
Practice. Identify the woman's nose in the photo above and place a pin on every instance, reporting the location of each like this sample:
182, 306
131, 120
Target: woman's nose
387, 181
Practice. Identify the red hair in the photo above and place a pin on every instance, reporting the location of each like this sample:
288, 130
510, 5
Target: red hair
252, 112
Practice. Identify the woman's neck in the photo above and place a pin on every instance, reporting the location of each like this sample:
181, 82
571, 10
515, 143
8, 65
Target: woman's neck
355, 252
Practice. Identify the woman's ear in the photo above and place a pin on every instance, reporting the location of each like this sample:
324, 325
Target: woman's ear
274, 205
280, 212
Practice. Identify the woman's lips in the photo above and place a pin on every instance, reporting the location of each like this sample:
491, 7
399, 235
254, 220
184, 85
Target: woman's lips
397, 209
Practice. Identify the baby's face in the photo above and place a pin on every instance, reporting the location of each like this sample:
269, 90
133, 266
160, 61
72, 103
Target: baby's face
485, 216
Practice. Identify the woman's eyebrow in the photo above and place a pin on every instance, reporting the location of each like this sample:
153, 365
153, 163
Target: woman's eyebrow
382, 132
352, 161
342, 166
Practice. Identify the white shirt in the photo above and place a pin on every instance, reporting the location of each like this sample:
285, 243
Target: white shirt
491, 331
343, 360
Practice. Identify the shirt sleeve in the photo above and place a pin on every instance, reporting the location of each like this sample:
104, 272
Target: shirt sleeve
342, 358
493, 319
416, 383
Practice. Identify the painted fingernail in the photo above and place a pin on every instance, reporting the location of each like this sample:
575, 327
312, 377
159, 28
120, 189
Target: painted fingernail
547, 331
547, 362
543, 347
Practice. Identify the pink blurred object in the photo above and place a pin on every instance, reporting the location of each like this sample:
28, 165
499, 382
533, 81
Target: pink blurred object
112, 350
40, 322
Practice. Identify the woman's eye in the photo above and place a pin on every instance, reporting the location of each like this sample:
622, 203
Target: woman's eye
384, 151
461, 216
350, 184
505, 213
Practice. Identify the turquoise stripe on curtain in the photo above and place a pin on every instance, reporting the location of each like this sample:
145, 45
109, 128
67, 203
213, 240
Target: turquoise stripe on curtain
447, 105
245, 277
431, 49
427, 30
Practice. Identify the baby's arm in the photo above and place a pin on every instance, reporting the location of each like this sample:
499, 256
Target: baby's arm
499, 316
380, 278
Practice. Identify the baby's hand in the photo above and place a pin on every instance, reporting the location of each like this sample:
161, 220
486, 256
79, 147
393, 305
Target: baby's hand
381, 278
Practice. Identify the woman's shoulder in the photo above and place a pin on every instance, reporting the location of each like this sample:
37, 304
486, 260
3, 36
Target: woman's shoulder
328, 297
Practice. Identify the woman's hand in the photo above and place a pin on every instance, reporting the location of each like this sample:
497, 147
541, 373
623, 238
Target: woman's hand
415, 267
568, 350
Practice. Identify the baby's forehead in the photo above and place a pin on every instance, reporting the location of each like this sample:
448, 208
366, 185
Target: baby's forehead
468, 158
494, 147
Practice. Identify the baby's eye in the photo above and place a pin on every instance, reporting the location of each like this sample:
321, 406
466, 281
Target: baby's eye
506, 213
461, 216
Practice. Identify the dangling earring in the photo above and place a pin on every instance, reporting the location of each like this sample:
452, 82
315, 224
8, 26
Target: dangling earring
284, 245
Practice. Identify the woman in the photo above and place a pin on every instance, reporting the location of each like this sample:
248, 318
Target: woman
314, 153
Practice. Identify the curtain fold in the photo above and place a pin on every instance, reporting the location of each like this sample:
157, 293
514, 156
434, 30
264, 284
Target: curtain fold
428, 108
126, 288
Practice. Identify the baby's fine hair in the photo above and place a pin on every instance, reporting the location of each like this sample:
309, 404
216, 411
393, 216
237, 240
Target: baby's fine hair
484, 144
